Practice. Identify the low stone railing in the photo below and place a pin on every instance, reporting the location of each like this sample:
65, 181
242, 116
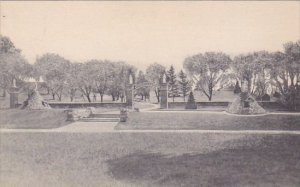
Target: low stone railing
77, 114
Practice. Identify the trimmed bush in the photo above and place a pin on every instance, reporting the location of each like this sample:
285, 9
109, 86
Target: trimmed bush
277, 95
237, 88
266, 97
191, 104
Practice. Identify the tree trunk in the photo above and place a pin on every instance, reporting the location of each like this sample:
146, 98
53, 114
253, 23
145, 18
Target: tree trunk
53, 96
184, 98
157, 95
4, 93
101, 97
88, 98
59, 97
173, 98
210, 91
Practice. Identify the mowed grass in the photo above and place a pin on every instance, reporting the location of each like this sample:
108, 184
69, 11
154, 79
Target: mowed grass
209, 121
153, 159
32, 119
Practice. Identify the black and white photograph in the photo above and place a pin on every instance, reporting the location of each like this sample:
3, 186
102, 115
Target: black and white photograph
149, 93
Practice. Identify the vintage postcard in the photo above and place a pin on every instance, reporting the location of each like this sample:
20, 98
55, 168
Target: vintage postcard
149, 93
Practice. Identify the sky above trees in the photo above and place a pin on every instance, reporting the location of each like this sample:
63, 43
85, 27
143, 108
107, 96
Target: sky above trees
141, 33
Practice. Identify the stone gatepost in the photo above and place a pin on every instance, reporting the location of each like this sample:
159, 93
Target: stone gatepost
163, 92
129, 92
14, 95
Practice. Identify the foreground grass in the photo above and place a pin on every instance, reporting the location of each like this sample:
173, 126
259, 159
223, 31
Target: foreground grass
204, 121
153, 159
32, 119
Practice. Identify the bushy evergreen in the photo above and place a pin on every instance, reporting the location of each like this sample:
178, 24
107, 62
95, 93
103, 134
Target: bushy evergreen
184, 84
172, 83
237, 88
191, 104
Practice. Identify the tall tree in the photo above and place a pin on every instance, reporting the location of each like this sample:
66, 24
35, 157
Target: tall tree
172, 83
103, 70
118, 80
154, 73
251, 68
184, 84
86, 76
142, 86
285, 72
207, 70
72, 80
53, 68
12, 64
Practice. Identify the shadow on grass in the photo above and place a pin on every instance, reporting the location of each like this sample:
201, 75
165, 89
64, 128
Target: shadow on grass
274, 162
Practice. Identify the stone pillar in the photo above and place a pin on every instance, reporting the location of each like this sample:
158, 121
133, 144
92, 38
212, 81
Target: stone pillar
163, 92
129, 95
14, 95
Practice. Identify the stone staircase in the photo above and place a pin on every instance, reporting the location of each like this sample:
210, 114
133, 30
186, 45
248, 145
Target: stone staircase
100, 117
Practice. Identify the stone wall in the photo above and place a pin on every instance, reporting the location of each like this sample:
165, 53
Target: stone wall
269, 105
85, 104
199, 104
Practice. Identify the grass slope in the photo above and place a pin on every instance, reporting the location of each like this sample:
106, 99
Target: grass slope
32, 119
154, 159
197, 120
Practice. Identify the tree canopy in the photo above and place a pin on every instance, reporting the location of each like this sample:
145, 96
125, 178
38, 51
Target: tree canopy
207, 70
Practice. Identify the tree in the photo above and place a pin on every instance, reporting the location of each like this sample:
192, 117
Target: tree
103, 71
12, 64
142, 86
184, 84
191, 104
85, 75
252, 68
206, 70
153, 76
72, 80
237, 88
285, 72
53, 68
172, 82
118, 81
292, 52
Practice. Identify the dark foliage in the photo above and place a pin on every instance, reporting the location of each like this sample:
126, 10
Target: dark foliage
191, 104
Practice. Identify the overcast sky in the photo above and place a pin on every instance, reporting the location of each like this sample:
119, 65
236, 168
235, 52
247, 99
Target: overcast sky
145, 32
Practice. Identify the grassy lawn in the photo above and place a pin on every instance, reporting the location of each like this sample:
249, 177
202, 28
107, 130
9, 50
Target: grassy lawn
32, 119
197, 120
153, 159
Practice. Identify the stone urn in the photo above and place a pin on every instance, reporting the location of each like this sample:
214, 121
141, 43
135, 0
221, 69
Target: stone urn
71, 115
123, 115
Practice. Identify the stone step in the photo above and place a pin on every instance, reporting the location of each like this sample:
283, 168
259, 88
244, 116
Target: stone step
99, 119
100, 115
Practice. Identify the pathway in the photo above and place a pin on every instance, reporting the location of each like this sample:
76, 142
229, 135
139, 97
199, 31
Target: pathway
108, 127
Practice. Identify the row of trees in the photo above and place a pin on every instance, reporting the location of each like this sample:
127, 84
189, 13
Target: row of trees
64, 78
90, 78
258, 72
178, 84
